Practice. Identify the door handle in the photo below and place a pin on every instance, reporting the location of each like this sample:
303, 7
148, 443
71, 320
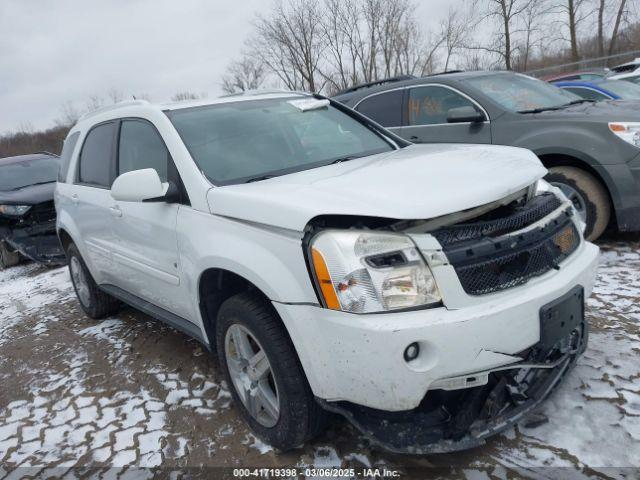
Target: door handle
74, 199
413, 138
115, 211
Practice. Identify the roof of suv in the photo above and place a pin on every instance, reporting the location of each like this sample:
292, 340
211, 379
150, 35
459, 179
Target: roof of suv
125, 107
358, 93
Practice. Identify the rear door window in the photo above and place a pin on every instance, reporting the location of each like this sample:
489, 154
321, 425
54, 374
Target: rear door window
96, 156
429, 105
140, 147
384, 108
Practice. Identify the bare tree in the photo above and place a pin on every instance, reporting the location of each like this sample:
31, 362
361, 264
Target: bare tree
505, 14
94, 102
454, 31
248, 73
115, 96
616, 27
289, 40
185, 95
575, 12
533, 19
69, 115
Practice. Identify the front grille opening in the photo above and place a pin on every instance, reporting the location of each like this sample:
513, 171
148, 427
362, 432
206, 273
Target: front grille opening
501, 221
489, 255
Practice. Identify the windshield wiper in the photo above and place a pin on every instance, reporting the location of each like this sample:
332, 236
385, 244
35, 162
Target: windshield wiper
581, 100
344, 159
260, 178
541, 109
559, 107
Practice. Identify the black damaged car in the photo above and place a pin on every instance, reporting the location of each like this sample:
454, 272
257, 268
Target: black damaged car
27, 212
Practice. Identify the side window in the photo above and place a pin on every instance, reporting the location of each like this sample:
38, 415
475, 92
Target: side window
587, 93
96, 155
429, 105
65, 157
141, 147
385, 108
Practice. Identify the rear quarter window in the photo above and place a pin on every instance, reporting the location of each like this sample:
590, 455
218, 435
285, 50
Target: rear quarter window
65, 157
384, 108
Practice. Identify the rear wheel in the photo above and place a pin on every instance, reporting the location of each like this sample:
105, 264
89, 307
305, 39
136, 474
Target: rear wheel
8, 257
588, 195
95, 303
264, 374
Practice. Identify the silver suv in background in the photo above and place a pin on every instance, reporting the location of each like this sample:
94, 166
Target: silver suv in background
332, 265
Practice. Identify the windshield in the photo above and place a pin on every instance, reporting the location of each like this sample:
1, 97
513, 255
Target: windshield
249, 140
624, 90
520, 93
28, 172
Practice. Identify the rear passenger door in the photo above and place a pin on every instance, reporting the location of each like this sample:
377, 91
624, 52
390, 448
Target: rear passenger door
90, 199
146, 251
427, 108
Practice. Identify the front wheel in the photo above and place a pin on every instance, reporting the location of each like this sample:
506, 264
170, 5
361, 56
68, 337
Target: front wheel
264, 374
588, 195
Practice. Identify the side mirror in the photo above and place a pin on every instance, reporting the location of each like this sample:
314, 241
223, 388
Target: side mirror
139, 186
465, 115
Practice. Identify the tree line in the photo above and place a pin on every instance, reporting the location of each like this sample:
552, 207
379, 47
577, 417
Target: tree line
329, 45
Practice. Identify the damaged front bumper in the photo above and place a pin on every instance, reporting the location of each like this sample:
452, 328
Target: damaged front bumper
36, 241
453, 421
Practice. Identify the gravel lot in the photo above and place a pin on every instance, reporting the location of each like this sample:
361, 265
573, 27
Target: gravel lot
129, 392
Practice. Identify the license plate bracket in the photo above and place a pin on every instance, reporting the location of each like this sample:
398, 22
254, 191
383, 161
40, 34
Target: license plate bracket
560, 317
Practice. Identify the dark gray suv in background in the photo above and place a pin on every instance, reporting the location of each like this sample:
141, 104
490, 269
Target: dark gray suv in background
592, 150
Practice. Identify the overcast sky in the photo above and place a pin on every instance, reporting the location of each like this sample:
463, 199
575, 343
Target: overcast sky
54, 51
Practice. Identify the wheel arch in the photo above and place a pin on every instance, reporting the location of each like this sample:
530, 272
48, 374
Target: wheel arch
560, 158
65, 239
215, 285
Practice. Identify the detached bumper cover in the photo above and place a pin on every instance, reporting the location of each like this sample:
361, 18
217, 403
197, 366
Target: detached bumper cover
508, 398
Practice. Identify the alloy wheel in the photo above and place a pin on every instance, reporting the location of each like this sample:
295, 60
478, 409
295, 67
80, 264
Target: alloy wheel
252, 376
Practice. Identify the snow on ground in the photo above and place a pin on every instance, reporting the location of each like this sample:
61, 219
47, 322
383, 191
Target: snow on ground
129, 392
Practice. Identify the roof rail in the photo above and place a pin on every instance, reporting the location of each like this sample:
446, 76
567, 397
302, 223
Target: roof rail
445, 73
44, 152
115, 106
399, 78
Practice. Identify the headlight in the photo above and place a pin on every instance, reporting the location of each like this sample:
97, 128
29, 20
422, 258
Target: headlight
629, 132
364, 272
14, 210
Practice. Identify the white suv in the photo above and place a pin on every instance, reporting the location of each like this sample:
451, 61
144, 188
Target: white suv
332, 265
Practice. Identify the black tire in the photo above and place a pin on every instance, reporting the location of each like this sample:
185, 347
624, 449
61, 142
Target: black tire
98, 304
301, 418
594, 194
8, 257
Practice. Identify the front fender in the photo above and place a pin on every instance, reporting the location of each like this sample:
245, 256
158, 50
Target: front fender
271, 259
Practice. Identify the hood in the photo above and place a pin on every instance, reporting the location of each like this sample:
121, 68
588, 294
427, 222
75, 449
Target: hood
417, 182
31, 195
606, 111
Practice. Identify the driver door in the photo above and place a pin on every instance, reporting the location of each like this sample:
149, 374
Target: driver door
427, 109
